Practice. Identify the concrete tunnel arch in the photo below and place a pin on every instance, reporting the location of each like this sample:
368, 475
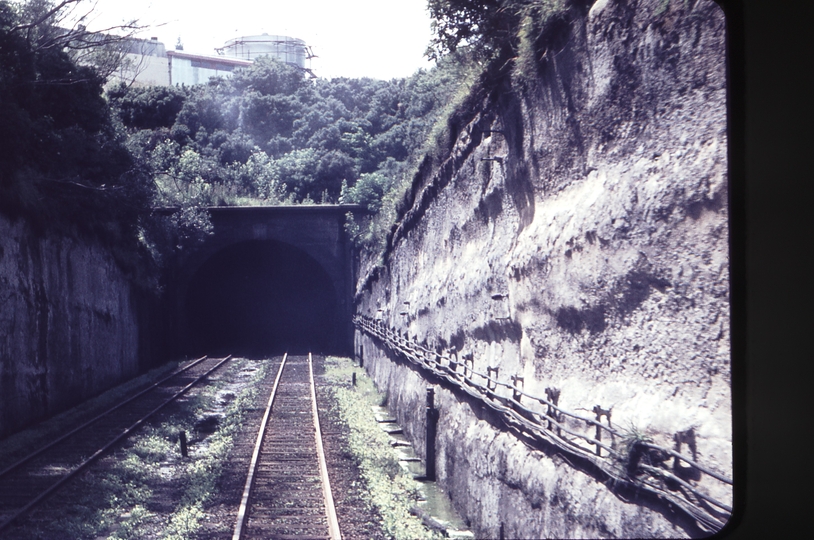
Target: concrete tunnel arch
260, 297
242, 238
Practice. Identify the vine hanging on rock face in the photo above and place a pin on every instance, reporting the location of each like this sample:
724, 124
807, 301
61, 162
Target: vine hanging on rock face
491, 29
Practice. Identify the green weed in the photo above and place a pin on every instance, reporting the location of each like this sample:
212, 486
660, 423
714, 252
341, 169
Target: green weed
113, 500
390, 490
534, 22
631, 451
19, 444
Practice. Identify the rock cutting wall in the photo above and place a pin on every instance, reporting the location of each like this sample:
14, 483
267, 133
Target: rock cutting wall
576, 236
68, 324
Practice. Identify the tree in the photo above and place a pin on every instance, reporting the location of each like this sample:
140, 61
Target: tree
268, 116
268, 76
483, 25
488, 28
63, 164
61, 25
367, 191
147, 108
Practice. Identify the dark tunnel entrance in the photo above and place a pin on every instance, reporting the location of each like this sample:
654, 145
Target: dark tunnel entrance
262, 297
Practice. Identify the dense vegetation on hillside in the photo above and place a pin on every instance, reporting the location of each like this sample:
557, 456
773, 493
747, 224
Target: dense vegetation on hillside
61, 160
72, 155
270, 135
489, 28
76, 158
64, 166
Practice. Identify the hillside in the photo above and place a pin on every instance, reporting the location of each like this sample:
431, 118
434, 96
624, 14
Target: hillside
574, 233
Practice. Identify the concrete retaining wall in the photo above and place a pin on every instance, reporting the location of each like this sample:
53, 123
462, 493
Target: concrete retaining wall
68, 324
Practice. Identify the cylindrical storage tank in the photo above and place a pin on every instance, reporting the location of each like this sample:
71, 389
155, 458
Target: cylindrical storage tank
283, 48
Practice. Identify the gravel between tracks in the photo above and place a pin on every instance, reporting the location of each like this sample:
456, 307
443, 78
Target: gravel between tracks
154, 489
356, 518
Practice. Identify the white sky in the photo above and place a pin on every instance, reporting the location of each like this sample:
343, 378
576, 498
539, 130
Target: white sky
352, 38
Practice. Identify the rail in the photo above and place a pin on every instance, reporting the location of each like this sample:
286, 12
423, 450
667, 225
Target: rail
258, 445
290, 515
42, 495
624, 460
95, 419
333, 521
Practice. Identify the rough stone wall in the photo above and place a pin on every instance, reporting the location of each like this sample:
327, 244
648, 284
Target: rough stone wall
68, 324
592, 257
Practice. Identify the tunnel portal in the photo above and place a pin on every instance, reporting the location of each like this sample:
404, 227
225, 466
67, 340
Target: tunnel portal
262, 297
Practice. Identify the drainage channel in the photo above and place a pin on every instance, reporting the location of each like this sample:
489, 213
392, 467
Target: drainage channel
435, 509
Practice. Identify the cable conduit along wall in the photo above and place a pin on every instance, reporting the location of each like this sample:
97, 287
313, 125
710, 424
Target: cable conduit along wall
624, 460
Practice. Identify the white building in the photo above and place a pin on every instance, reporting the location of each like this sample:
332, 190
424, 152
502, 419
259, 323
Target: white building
189, 69
144, 64
148, 63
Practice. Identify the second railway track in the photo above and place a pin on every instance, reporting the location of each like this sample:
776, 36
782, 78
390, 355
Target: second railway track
287, 491
35, 477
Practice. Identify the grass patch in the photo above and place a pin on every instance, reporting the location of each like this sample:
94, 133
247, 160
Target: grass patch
390, 490
20, 444
532, 42
631, 452
146, 489
202, 474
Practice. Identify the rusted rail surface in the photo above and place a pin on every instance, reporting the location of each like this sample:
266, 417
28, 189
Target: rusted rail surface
550, 426
32, 479
287, 492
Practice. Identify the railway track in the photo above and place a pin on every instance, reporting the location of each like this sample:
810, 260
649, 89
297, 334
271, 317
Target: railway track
32, 479
287, 493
